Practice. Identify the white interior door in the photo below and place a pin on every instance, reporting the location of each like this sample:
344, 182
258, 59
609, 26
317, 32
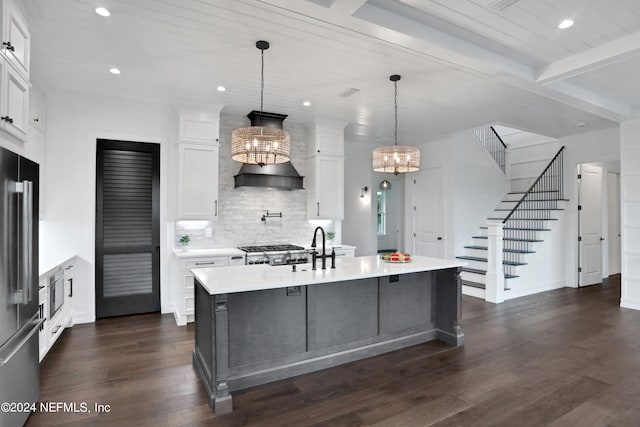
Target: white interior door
613, 206
429, 213
590, 225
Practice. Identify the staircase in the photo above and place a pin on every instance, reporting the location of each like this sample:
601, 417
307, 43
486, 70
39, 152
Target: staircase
527, 218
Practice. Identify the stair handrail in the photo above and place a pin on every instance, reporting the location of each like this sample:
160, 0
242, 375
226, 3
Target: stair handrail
498, 136
535, 183
493, 144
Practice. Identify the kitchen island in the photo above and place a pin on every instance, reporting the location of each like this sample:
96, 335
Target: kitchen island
257, 324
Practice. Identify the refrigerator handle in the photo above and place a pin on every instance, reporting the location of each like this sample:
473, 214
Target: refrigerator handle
14, 344
27, 236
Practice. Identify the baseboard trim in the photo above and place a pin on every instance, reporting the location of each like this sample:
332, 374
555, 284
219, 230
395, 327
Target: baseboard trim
630, 303
517, 293
473, 292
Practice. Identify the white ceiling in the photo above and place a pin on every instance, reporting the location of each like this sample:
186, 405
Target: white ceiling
465, 63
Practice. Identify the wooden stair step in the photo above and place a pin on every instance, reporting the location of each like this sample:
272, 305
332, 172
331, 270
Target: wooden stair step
473, 258
537, 200
539, 191
509, 239
484, 272
524, 219
527, 209
484, 248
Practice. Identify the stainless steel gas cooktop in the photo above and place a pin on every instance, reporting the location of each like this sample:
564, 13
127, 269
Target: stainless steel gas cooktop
271, 248
275, 254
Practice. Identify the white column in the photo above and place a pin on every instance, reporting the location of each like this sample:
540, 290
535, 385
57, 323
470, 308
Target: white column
494, 288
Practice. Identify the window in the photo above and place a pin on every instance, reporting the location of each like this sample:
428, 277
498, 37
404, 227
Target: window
382, 213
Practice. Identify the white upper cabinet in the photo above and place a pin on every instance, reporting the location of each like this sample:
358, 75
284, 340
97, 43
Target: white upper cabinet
198, 156
14, 102
325, 177
198, 181
326, 137
200, 124
14, 71
325, 186
16, 39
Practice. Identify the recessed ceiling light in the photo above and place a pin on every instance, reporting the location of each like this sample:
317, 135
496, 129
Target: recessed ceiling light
565, 24
306, 103
102, 11
222, 89
114, 70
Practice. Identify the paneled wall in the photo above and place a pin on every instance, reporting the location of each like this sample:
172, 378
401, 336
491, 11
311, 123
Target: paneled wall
630, 198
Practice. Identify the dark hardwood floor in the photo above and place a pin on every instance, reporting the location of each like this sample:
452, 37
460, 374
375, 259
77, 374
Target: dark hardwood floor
569, 357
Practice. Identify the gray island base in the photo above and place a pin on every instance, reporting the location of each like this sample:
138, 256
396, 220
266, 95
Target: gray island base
247, 338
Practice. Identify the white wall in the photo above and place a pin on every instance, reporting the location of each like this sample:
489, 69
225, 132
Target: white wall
599, 147
529, 160
478, 186
395, 208
474, 184
359, 227
74, 122
630, 197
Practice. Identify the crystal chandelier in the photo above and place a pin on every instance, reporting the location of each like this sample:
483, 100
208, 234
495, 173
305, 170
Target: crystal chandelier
260, 145
396, 158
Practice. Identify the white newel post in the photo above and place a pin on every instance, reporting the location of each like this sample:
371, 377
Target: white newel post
494, 289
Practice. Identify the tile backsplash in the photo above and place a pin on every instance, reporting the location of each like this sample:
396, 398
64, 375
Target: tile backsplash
241, 209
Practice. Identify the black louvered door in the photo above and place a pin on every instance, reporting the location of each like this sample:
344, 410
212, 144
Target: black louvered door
127, 228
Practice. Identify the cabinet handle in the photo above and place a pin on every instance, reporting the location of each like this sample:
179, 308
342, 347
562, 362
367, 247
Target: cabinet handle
71, 287
57, 329
8, 46
206, 263
7, 119
216, 214
36, 120
318, 214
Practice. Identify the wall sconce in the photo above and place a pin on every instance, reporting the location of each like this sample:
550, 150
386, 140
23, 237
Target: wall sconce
363, 191
385, 185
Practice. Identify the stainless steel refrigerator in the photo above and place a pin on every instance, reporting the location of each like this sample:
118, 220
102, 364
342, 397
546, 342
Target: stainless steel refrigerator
19, 308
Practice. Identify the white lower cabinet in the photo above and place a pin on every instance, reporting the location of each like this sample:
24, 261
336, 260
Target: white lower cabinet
43, 300
55, 323
344, 252
184, 300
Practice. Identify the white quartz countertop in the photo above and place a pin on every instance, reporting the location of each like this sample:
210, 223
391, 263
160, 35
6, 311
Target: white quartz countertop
194, 253
245, 278
328, 247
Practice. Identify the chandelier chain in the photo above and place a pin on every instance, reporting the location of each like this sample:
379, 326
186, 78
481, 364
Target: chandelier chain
261, 83
395, 101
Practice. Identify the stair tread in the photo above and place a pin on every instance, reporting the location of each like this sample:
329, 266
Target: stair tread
523, 229
510, 239
537, 200
540, 191
484, 248
473, 270
484, 272
473, 284
526, 219
473, 258
525, 209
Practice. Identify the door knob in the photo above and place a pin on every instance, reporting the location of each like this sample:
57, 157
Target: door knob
439, 238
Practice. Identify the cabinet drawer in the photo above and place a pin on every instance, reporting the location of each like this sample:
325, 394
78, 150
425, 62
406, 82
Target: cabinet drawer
188, 264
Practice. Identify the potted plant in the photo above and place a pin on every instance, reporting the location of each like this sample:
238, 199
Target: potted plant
184, 240
330, 236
